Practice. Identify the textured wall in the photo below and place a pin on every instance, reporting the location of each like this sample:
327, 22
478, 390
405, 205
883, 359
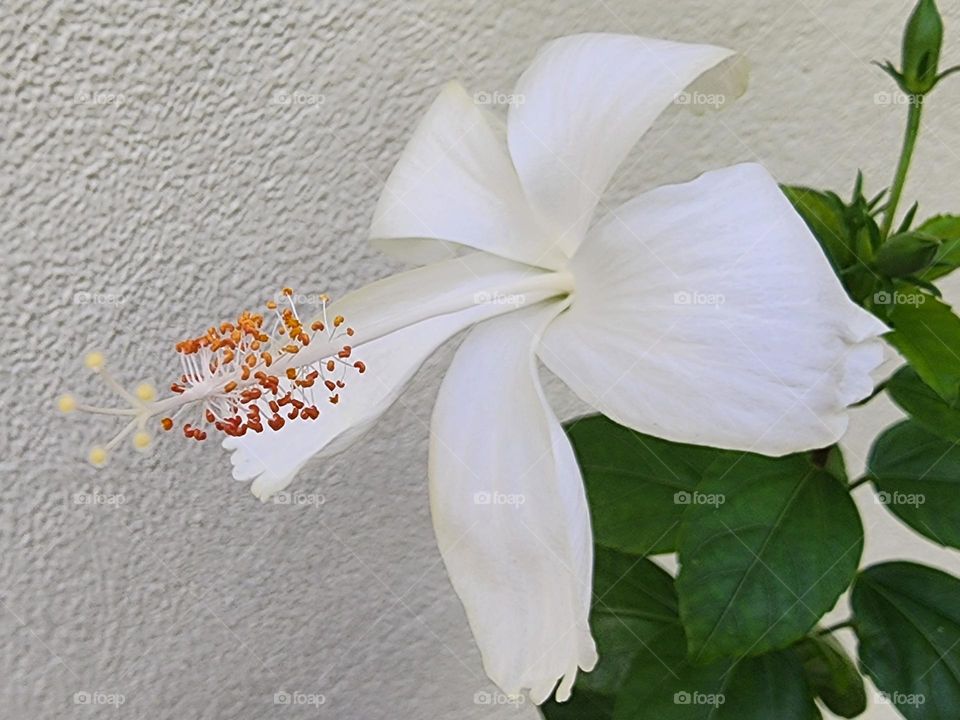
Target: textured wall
166, 164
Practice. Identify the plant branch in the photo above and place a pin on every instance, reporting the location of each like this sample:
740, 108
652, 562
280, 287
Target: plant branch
906, 154
839, 626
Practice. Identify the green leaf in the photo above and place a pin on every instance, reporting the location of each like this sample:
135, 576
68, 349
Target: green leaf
644, 673
634, 603
906, 254
765, 561
824, 214
918, 476
947, 259
908, 623
832, 675
635, 483
921, 402
927, 334
665, 685
582, 705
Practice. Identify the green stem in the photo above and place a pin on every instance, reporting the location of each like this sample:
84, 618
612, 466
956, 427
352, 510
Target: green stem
906, 153
838, 626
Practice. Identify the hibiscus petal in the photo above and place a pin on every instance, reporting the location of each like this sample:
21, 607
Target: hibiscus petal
397, 322
272, 459
586, 100
510, 512
455, 182
707, 313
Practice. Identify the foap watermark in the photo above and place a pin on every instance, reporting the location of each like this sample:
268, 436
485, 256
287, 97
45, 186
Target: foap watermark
302, 299
685, 297
498, 98
495, 298
698, 698
897, 98
900, 699
700, 99
498, 498
298, 498
99, 97
297, 97
98, 697
900, 498
98, 498
485, 697
883, 297
282, 697
85, 297
684, 497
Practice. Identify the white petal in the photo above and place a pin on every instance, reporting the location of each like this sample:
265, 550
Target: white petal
510, 512
586, 100
707, 313
455, 182
272, 459
404, 299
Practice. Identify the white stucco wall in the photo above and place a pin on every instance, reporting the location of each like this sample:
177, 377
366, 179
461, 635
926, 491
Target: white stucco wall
197, 195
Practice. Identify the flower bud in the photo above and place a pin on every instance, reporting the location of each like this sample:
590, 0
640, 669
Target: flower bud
922, 39
906, 254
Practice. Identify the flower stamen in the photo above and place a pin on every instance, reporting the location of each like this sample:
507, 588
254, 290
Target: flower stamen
239, 376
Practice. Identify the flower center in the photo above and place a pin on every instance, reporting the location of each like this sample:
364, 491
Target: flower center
239, 376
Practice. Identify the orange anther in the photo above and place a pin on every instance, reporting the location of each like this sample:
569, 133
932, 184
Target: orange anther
360, 366
338, 321
331, 365
230, 386
166, 423
271, 305
288, 291
334, 399
291, 373
316, 326
350, 332
345, 353
292, 349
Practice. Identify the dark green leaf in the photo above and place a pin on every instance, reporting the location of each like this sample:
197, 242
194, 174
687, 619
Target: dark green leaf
908, 623
832, 675
582, 705
906, 254
635, 483
633, 604
924, 404
947, 259
917, 474
824, 214
664, 685
927, 334
765, 552
644, 673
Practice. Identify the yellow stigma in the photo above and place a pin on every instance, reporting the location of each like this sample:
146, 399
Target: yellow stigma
146, 392
67, 403
94, 361
98, 456
141, 441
